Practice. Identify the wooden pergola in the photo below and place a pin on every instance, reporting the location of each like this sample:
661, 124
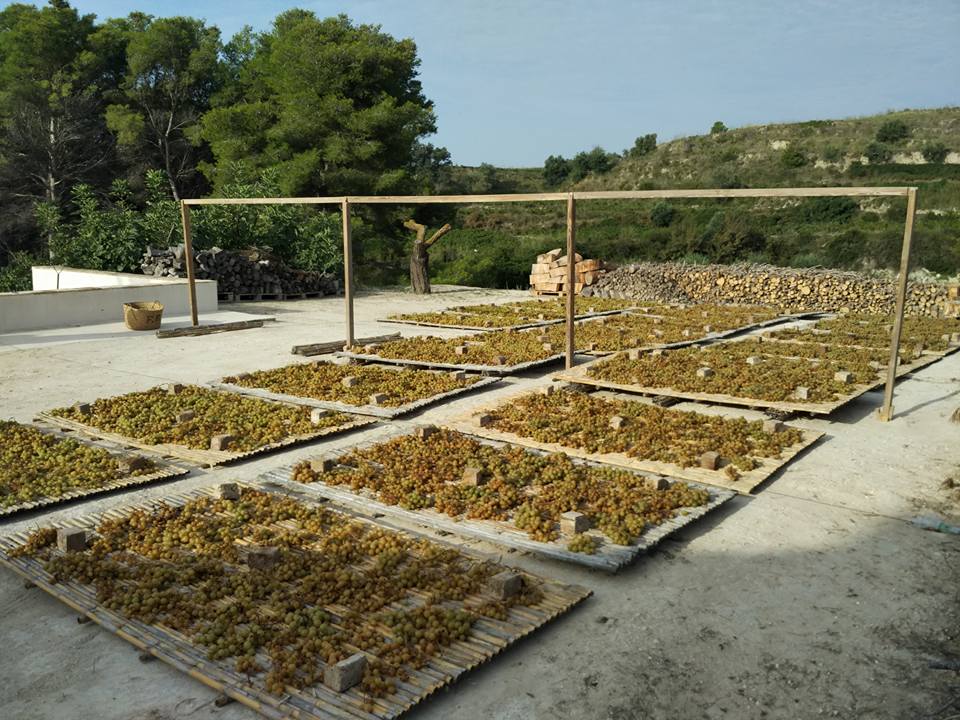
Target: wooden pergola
571, 198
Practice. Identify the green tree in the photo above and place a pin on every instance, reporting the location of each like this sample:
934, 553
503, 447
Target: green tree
556, 169
662, 214
935, 152
793, 157
597, 161
878, 153
893, 131
717, 128
173, 69
643, 145
335, 107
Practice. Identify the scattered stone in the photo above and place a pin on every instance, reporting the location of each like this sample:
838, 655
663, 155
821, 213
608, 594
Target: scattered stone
710, 460
71, 539
773, 426
754, 360
317, 415
485, 420
506, 584
842, 376
633, 354
474, 476
323, 464
425, 431
658, 482
548, 390
617, 422
458, 375
499, 360
184, 416
460, 349
378, 398
573, 523
174, 389
263, 558
801, 393
221, 442
132, 463
343, 675
82, 408
349, 381
705, 372
229, 491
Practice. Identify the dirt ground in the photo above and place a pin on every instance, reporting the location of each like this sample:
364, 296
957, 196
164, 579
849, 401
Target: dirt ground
815, 598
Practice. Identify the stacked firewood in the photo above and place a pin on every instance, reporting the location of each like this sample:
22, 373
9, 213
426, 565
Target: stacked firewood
797, 289
251, 272
548, 274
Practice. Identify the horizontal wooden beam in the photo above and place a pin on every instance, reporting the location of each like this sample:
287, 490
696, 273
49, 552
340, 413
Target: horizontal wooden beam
678, 194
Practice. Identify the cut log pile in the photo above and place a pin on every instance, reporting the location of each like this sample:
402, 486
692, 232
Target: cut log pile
788, 289
246, 274
548, 275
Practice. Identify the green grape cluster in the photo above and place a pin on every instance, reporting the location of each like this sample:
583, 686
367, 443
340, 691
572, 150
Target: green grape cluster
151, 417
528, 489
582, 421
324, 381
338, 585
35, 465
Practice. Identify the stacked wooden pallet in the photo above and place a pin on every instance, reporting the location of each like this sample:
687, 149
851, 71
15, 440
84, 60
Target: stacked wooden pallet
548, 275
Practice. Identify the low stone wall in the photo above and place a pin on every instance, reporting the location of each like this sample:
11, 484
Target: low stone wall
794, 289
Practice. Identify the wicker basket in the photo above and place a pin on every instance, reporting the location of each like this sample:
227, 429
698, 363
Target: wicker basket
142, 315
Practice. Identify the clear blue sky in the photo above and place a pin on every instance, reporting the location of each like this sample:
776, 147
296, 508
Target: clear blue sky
517, 80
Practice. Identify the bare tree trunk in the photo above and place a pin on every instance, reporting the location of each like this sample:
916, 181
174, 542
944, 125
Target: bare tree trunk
420, 257
420, 268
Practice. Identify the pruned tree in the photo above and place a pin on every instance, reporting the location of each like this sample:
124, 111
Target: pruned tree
420, 255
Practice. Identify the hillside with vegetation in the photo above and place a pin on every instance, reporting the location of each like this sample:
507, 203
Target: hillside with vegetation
912, 147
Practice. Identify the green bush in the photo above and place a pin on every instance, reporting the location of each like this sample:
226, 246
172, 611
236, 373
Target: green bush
717, 128
828, 209
15, 276
793, 157
662, 214
893, 131
555, 170
935, 152
878, 153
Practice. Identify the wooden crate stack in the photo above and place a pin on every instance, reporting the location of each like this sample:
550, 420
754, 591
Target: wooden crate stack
548, 275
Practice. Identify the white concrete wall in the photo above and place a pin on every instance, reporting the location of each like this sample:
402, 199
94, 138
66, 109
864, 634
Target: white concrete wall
81, 302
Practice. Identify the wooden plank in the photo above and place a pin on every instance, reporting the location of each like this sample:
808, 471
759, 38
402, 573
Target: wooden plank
571, 289
347, 270
324, 348
372, 410
886, 411
188, 252
745, 484
204, 458
209, 329
317, 701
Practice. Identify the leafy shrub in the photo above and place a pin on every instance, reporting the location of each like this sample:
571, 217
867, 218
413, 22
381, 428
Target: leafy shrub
892, 131
15, 276
878, 153
556, 168
828, 209
643, 145
662, 214
793, 157
831, 153
935, 152
718, 128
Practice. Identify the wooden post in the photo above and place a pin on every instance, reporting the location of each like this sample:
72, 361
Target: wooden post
347, 269
886, 412
571, 276
188, 252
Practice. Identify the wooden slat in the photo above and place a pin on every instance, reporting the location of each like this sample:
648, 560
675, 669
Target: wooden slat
209, 329
334, 345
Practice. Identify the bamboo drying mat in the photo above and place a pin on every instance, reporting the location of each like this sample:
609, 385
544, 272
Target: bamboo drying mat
522, 326
487, 369
379, 411
578, 376
204, 458
746, 483
609, 556
164, 471
487, 639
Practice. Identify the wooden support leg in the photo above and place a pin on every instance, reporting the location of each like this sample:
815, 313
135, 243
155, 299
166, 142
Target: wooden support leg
571, 277
886, 412
188, 252
347, 270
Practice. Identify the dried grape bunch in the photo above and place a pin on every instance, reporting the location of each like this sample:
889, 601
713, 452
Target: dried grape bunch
491, 348
458, 475
647, 432
582, 543
874, 331
333, 586
156, 417
35, 465
326, 381
496, 315
773, 379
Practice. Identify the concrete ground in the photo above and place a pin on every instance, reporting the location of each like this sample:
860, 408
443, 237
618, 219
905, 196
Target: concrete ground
815, 598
